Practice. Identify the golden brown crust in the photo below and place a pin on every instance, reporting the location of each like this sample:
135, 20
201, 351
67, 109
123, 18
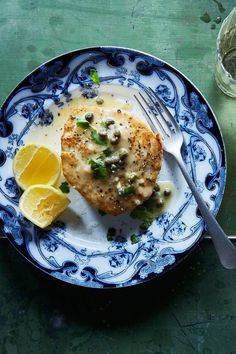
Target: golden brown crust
144, 159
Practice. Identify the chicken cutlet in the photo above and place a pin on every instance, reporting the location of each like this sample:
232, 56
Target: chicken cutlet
110, 157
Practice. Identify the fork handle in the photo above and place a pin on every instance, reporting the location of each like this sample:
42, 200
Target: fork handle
224, 248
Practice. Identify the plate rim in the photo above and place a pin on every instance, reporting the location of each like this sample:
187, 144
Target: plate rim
188, 251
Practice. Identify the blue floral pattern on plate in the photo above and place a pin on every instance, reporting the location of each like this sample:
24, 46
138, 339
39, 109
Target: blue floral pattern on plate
174, 233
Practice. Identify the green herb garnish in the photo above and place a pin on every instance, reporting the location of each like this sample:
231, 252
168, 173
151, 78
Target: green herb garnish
99, 168
103, 124
101, 212
83, 123
98, 139
107, 151
106, 123
111, 232
144, 214
145, 225
94, 76
64, 187
128, 190
150, 204
134, 239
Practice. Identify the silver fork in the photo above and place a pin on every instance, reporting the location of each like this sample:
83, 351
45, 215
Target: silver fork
172, 143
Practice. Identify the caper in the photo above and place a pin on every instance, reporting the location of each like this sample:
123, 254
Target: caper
89, 116
115, 159
113, 167
141, 182
114, 140
116, 133
160, 202
167, 192
108, 161
157, 187
121, 162
123, 153
109, 121
132, 176
112, 160
99, 100
102, 132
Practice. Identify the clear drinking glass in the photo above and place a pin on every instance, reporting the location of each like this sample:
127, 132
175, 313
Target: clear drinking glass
225, 72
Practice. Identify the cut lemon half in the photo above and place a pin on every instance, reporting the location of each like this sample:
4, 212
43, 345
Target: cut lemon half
36, 164
41, 204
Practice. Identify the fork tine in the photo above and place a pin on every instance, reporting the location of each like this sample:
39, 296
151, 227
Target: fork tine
165, 110
146, 113
156, 107
151, 117
165, 122
159, 108
152, 121
164, 126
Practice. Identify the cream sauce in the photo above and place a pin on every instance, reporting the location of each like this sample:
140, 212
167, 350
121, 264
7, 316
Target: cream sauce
167, 199
51, 134
82, 231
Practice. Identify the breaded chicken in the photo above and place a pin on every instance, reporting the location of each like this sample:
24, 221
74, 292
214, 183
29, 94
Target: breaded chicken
110, 157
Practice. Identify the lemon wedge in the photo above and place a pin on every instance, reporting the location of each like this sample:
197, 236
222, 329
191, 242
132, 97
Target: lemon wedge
41, 204
36, 164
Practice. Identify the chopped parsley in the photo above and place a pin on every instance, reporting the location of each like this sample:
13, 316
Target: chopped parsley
103, 124
64, 187
107, 151
99, 168
101, 212
111, 232
145, 225
98, 139
134, 239
144, 214
83, 123
150, 204
128, 190
94, 76
106, 123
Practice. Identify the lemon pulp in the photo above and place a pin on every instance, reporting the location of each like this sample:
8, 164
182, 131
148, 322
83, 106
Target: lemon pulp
36, 164
41, 204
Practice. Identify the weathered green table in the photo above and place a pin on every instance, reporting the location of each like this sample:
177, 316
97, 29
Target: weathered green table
193, 310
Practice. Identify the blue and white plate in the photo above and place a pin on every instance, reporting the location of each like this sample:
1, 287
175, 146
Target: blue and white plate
75, 248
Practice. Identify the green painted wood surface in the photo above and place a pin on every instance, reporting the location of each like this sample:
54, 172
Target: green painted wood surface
194, 309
